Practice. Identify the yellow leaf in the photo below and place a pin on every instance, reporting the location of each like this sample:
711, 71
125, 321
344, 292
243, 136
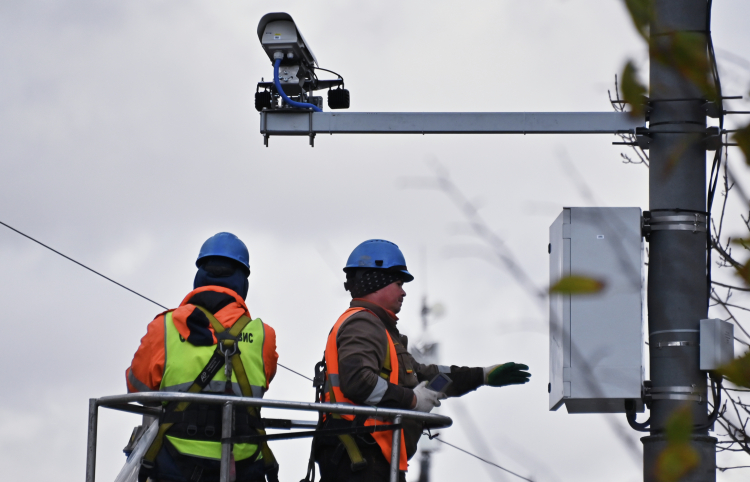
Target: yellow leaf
742, 138
676, 461
744, 242
641, 13
577, 285
685, 52
744, 272
679, 426
678, 458
632, 90
738, 371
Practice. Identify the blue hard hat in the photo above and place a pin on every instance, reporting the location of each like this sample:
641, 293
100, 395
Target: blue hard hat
227, 245
378, 254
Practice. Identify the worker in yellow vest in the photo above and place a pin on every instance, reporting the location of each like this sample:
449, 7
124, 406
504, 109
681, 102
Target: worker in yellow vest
212, 322
367, 363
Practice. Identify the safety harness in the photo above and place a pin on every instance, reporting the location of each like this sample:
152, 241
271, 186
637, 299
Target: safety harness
323, 385
347, 440
227, 354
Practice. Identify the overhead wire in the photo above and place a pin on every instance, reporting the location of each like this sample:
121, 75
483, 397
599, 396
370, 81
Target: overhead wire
83, 265
436, 437
713, 179
111, 280
162, 306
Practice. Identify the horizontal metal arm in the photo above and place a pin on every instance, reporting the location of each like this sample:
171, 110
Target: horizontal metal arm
430, 420
288, 122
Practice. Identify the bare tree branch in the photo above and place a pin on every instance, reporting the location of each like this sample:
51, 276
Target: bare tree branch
730, 286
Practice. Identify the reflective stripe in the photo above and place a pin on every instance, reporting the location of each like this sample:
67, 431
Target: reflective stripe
167, 317
334, 378
377, 393
262, 362
213, 386
333, 392
137, 384
444, 369
216, 386
186, 361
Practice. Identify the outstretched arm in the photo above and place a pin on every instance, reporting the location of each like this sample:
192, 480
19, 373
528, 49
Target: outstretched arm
468, 379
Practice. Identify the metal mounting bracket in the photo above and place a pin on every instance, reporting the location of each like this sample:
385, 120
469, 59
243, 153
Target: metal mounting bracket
667, 344
713, 138
693, 222
675, 393
642, 137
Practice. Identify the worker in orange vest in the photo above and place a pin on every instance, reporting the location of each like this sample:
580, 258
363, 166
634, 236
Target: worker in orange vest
367, 363
179, 353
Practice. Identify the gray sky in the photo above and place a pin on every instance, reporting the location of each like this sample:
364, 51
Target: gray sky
128, 136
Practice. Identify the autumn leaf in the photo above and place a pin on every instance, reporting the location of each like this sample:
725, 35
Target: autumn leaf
744, 272
633, 91
744, 242
641, 12
675, 462
738, 370
742, 138
577, 285
679, 426
678, 458
686, 53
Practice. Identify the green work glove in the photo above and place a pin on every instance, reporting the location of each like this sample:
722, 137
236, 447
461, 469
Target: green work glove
506, 374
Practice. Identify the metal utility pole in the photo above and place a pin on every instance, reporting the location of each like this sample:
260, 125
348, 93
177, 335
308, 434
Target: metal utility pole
427, 354
677, 284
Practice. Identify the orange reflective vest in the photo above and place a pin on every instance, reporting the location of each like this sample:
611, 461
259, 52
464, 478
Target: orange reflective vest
334, 394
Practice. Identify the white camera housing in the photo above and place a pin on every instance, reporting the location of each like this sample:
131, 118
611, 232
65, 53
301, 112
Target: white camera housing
277, 32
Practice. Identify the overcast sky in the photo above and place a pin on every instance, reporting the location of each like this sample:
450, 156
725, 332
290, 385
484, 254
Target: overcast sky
128, 136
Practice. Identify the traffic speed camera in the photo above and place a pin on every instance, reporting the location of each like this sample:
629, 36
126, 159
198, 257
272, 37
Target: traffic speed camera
282, 41
280, 38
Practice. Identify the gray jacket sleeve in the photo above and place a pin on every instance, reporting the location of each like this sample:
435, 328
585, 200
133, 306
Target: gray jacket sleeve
362, 345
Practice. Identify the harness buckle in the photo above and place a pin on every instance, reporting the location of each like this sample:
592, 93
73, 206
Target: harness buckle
228, 352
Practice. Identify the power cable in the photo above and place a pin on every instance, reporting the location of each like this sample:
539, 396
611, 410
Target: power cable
716, 165
298, 373
113, 281
331, 71
436, 437
83, 265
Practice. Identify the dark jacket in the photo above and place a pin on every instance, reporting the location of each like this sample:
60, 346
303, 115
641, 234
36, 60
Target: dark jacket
362, 345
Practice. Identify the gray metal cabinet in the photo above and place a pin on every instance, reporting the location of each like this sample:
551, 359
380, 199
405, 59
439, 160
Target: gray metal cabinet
596, 340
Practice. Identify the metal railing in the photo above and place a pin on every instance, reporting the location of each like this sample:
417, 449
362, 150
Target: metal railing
126, 403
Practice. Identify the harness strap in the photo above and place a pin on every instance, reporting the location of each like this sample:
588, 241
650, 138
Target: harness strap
352, 449
347, 440
385, 371
268, 457
206, 375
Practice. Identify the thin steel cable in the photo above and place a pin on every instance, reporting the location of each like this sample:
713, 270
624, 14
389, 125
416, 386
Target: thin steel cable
113, 281
83, 265
162, 306
435, 437
298, 373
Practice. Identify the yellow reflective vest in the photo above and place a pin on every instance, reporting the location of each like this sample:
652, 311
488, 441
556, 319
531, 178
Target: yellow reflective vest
185, 361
